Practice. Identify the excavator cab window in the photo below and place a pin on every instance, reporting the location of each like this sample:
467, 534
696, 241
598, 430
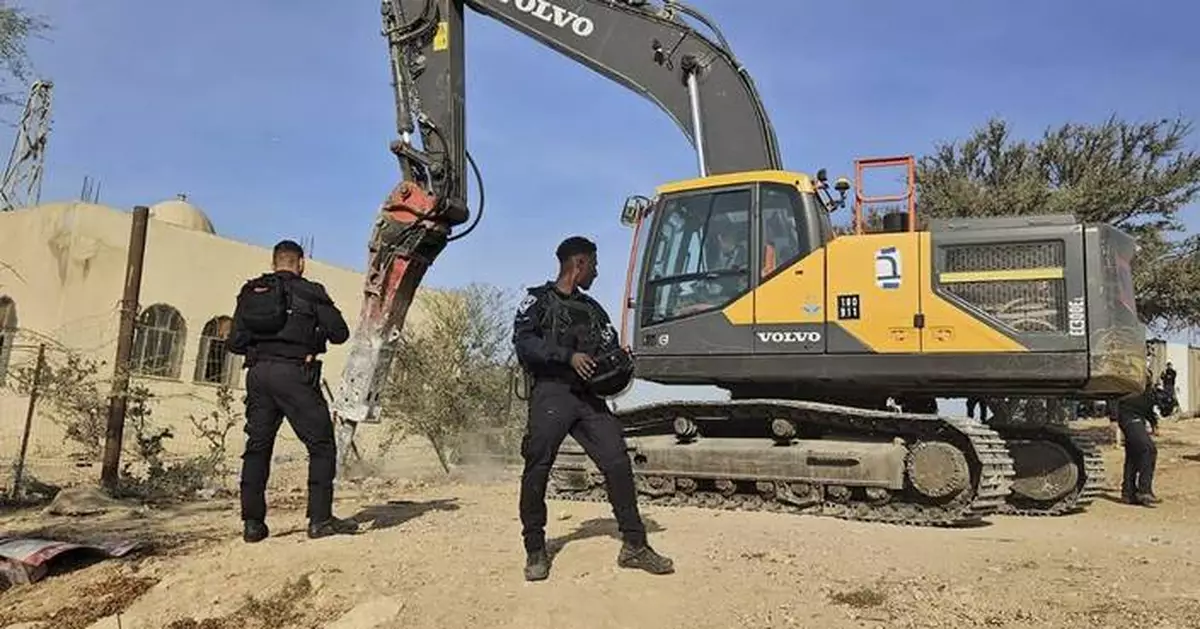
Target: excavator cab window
792, 226
780, 234
700, 256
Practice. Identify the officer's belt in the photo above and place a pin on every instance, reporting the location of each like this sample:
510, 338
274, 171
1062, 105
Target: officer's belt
284, 359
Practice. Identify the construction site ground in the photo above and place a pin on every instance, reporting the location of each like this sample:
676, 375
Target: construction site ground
445, 553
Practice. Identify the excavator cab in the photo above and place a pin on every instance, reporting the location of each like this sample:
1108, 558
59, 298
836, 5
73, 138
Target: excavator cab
739, 280
703, 245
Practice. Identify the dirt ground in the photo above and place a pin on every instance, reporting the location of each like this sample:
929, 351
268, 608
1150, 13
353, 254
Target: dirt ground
447, 554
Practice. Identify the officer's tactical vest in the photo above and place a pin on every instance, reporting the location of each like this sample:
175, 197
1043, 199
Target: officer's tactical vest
577, 325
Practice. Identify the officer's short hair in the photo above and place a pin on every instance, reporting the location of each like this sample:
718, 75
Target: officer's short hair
287, 252
573, 246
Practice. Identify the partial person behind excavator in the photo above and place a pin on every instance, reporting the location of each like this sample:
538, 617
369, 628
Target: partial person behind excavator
1138, 422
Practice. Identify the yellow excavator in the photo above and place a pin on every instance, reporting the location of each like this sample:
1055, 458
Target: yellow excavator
833, 347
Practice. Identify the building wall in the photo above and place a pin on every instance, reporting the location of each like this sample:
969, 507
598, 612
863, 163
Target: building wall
66, 276
1179, 357
1193, 379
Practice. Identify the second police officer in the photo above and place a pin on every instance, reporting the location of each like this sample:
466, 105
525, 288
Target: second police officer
559, 333
281, 324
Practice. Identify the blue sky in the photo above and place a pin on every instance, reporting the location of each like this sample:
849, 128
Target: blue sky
275, 117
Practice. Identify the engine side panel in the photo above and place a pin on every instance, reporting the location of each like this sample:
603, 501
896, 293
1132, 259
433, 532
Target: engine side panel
1117, 336
1023, 276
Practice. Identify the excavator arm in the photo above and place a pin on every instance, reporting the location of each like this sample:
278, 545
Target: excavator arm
650, 50
644, 46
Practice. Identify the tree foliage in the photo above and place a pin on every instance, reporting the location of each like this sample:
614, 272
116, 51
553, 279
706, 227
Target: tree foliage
452, 371
1134, 175
17, 26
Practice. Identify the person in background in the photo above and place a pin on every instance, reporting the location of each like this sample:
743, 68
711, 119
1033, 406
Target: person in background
972, 403
1138, 423
1168, 384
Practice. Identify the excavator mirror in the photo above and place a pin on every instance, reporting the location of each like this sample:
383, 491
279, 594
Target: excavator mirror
634, 210
842, 186
822, 176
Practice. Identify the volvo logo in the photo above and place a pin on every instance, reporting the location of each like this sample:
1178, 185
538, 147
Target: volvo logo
789, 337
551, 13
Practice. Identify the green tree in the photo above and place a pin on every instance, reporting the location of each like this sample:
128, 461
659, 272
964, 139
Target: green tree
452, 372
1137, 176
17, 26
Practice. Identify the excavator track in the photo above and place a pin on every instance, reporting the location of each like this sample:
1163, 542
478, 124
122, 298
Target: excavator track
804, 458
1056, 472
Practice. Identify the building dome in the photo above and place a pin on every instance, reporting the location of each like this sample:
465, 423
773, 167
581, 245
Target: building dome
180, 213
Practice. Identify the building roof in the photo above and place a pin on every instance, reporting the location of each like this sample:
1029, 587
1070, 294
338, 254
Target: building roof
180, 213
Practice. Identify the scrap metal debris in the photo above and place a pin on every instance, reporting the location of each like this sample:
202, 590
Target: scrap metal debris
26, 560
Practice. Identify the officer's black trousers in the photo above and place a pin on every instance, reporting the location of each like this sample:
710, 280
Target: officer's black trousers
275, 389
1141, 456
974, 403
554, 412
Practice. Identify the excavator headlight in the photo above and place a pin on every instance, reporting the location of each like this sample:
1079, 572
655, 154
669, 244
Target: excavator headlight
842, 185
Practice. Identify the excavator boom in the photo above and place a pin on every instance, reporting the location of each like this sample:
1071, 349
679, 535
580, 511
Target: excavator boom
697, 82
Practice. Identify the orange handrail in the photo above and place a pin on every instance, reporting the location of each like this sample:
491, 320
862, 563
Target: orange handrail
910, 194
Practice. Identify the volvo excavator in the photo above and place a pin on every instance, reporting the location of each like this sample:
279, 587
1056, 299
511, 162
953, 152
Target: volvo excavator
832, 347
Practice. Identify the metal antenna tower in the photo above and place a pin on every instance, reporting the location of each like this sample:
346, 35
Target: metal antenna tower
22, 182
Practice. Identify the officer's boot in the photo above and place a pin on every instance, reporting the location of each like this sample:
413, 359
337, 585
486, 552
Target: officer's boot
645, 558
254, 531
537, 565
332, 526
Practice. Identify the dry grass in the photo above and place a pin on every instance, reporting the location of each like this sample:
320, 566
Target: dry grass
281, 609
861, 598
94, 601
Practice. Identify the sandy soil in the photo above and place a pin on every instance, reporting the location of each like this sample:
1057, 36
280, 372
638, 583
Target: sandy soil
447, 555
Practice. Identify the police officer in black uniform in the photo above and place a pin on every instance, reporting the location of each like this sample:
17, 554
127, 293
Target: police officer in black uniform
1135, 417
1170, 401
281, 325
557, 332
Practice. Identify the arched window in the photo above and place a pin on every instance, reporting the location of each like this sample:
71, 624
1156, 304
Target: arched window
8, 333
213, 363
158, 342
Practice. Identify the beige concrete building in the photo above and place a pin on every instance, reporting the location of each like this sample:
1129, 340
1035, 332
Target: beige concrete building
63, 283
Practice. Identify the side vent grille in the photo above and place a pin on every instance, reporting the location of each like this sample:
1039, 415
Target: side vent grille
1020, 284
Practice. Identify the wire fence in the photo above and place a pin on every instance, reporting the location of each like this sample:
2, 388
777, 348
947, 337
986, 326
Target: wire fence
53, 416
54, 403
17, 491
